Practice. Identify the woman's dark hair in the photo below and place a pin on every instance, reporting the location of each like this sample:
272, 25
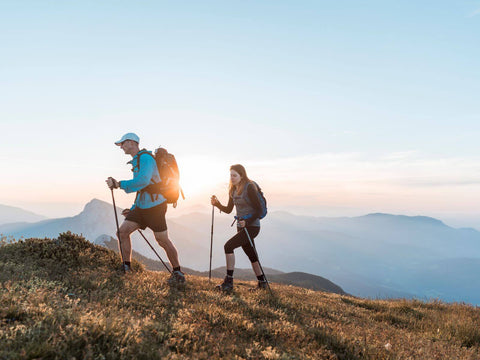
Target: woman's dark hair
243, 179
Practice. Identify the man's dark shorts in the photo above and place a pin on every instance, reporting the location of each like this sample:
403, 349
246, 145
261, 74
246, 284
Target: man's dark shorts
153, 217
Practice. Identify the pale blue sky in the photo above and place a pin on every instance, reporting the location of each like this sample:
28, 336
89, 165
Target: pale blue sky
378, 100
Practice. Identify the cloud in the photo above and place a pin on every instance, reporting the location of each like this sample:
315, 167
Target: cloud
393, 182
474, 13
401, 155
407, 168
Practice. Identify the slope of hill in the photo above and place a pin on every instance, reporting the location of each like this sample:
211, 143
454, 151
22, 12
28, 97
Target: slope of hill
300, 279
66, 298
11, 214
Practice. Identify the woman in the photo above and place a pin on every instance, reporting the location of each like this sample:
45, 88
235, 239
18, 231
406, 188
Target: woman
243, 194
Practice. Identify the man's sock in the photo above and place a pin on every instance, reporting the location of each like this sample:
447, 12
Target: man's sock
230, 273
127, 263
176, 268
261, 277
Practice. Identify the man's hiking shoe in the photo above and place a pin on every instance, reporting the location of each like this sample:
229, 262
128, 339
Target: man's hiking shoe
126, 269
227, 284
176, 278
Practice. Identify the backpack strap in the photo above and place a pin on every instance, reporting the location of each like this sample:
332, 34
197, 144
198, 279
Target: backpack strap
246, 190
140, 153
247, 197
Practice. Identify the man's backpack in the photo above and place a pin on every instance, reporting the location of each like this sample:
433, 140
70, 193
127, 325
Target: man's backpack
261, 200
169, 186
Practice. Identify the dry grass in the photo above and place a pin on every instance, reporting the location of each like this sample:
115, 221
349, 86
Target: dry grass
66, 299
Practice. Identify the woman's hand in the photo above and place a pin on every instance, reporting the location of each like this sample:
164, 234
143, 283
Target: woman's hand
214, 201
125, 212
242, 223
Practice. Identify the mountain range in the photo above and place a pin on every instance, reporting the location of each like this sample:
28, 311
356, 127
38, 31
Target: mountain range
10, 214
376, 255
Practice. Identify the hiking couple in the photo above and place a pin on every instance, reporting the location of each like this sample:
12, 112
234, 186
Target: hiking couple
149, 210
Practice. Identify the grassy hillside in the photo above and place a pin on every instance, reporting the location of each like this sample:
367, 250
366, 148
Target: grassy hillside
66, 299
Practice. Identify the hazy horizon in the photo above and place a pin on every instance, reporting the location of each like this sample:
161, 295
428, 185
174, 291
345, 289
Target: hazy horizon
62, 210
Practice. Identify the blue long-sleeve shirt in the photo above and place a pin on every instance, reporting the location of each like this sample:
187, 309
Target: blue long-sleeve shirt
143, 175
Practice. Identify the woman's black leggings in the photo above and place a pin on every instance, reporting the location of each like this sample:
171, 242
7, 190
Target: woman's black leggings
241, 239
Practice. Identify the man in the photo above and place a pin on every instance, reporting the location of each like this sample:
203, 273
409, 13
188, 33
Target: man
148, 209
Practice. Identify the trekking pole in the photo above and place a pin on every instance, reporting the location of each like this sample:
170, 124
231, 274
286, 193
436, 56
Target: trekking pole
118, 230
261, 268
170, 271
211, 245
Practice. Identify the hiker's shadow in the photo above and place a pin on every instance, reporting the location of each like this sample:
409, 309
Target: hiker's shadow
174, 302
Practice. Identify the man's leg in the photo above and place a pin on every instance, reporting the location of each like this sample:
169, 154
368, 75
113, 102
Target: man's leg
167, 245
126, 229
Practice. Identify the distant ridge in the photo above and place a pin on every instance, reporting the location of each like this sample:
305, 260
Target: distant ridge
308, 281
417, 218
11, 214
95, 219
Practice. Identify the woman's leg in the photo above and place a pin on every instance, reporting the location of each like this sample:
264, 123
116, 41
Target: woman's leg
249, 249
239, 239
256, 269
252, 253
230, 259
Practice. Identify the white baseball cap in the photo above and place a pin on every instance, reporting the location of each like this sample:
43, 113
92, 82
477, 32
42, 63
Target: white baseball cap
128, 136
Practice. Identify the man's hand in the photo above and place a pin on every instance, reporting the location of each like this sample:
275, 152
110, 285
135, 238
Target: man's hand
112, 183
125, 212
242, 223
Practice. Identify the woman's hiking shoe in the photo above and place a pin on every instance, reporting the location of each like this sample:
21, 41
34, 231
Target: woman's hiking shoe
262, 284
176, 278
227, 284
126, 269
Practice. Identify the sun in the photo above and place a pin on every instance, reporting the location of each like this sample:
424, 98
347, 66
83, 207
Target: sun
199, 175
